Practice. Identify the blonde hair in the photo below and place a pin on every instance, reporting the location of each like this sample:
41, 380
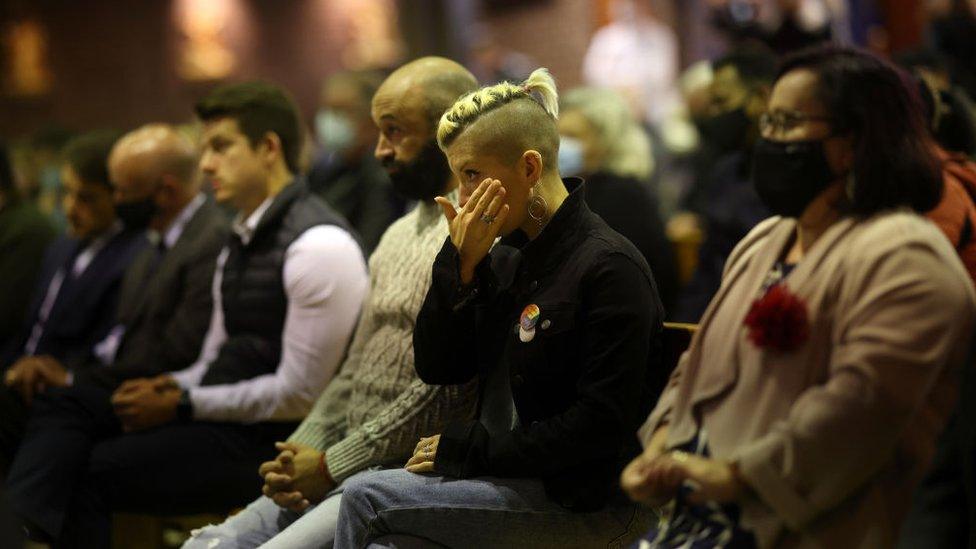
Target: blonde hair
626, 144
539, 87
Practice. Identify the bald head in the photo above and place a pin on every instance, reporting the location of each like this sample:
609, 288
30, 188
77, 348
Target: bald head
152, 152
154, 162
430, 85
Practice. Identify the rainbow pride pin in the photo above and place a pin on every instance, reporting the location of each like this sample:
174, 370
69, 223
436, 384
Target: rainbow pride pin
528, 321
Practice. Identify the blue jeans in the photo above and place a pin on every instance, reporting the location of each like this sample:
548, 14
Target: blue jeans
264, 524
395, 508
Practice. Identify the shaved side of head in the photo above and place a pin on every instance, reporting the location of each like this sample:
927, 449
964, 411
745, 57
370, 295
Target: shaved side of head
506, 120
508, 131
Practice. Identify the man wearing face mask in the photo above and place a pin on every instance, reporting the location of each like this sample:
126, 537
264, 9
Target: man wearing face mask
165, 300
725, 200
347, 176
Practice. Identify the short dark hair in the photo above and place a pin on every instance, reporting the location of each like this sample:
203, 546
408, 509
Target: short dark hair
88, 153
754, 63
878, 105
258, 108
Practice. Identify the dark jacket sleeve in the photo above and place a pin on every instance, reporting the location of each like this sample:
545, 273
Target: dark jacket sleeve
444, 337
622, 313
21, 256
184, 331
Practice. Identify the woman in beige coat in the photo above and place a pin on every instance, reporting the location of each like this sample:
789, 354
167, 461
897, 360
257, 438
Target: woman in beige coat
807, 406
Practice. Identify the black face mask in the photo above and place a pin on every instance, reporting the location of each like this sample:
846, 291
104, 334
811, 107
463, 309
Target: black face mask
136, 215
424, 177
788, 175
726, 131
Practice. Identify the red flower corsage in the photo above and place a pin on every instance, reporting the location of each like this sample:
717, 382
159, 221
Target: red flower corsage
778, 320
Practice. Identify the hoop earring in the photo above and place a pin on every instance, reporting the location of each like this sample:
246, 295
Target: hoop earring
538, 208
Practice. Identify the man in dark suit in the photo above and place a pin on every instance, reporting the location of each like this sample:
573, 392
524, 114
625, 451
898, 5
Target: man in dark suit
76, 295
166, 301
166, 295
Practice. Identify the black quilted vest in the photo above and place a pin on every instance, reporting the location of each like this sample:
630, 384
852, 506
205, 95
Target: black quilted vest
252, 290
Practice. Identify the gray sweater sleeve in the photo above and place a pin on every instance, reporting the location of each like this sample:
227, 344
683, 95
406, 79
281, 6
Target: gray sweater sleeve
421, 410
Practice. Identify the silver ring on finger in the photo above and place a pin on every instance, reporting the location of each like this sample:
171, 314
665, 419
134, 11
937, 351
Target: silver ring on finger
487, 219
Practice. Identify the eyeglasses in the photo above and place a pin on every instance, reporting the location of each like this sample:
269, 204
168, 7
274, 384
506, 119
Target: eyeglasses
784, 121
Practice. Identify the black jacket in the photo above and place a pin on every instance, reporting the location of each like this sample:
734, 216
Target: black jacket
166, 312
581, 386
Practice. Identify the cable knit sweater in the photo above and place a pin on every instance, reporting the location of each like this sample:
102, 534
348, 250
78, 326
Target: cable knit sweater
376, 410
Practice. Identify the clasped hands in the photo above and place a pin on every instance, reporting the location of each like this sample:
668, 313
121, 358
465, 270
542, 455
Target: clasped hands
655, 476
297, 478
476, 225
146, 402
32, 375
424, 453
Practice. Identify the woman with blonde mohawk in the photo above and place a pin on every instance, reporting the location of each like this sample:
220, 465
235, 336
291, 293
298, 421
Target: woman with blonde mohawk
558, 322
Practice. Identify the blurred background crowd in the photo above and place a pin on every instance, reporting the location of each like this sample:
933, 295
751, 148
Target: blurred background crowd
662, 109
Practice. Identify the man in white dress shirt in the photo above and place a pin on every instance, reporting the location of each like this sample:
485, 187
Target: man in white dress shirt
287, 292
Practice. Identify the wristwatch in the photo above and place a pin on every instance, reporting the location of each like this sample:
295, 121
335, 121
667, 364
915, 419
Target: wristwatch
184, 408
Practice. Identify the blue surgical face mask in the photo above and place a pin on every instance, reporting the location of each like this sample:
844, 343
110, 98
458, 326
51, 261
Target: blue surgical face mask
334, 131
570, 156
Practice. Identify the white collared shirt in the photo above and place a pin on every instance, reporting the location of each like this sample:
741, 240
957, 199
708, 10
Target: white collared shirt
244, 228
326, 284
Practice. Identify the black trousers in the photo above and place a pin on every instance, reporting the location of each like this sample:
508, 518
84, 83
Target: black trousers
75, 466
13, 418
14, 411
